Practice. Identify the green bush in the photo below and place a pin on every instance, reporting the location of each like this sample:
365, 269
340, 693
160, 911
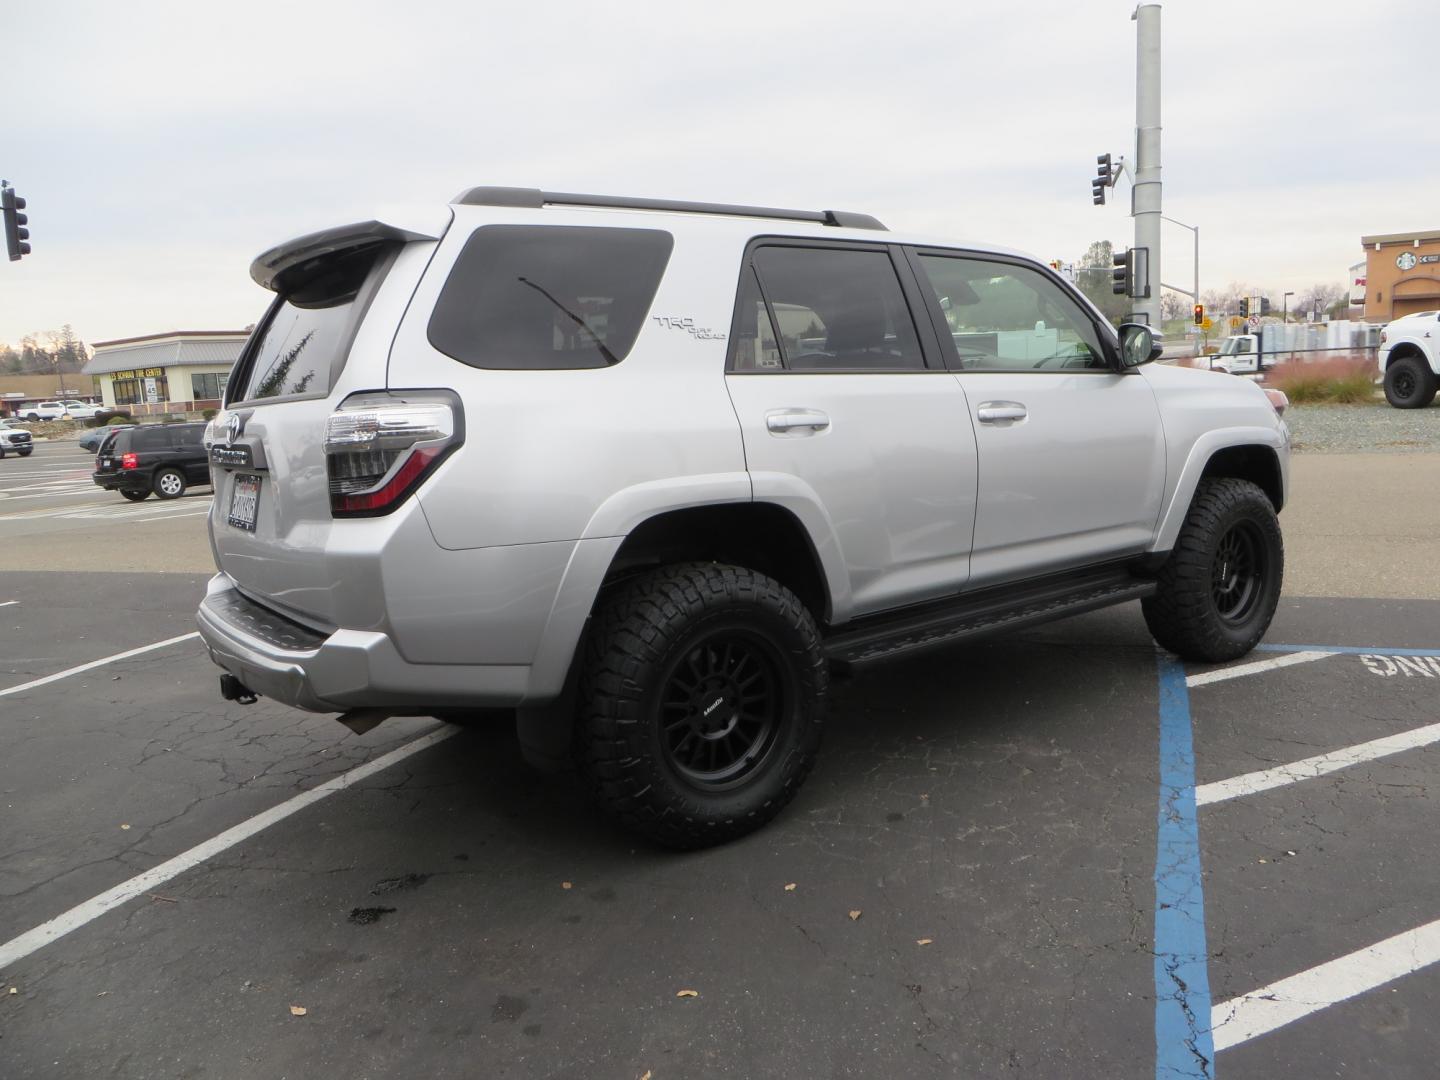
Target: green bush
208, 414
105, 418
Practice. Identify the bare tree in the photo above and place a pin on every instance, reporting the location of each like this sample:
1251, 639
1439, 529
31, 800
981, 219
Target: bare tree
1320, 298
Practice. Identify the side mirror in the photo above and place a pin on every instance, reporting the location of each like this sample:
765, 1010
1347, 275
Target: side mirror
1137, 345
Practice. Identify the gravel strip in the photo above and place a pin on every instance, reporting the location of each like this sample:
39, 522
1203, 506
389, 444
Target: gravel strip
1363, 429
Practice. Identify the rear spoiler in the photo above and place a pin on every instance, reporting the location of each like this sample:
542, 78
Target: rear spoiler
290, 260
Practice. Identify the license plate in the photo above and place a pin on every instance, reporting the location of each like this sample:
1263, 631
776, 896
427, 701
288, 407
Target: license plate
244, 500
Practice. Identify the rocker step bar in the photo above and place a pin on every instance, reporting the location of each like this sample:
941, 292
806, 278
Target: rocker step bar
985, 611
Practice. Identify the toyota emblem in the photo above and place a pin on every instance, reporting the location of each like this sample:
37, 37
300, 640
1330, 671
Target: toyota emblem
234, 428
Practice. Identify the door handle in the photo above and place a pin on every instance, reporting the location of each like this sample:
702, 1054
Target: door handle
792, 419
1001, 412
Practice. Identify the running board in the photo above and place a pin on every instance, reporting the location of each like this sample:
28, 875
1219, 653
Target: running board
985, 611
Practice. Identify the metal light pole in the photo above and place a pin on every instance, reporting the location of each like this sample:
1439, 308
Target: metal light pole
1196, 230
1285, 307
1145, 194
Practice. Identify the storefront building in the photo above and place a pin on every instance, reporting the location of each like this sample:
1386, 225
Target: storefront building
183, 371
1402, 274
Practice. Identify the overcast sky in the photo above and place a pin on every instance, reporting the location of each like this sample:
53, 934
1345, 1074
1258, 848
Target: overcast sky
161, 146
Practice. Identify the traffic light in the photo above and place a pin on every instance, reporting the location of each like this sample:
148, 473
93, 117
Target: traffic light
1199, 314
1105, 177
1264, 305
1244, 305
16, 234
1122, 277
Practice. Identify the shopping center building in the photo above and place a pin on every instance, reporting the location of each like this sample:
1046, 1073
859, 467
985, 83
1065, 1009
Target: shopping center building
1402, 274
183, 371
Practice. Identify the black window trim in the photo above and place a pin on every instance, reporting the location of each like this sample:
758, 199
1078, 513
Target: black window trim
910, 292
1109, 340
240, 373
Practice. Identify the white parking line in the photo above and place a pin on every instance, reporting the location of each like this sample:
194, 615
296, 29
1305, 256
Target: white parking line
1261, 1011
96, 663
9, 603
28, 942
1205, 678
1308, 768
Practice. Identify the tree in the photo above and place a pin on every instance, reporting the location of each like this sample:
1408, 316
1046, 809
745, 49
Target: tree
1174, 305
1226, 301
1320, 298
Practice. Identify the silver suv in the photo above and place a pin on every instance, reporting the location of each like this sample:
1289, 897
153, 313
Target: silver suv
648, 472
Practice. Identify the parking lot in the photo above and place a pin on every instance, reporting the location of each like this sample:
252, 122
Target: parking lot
1051, 854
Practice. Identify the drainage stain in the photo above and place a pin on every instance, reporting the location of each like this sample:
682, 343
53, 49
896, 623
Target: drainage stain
364, 916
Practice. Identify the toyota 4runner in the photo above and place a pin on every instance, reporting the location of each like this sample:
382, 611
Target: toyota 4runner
649, 472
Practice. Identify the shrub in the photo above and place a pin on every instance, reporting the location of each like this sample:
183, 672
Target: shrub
1342, 382
108, 416
208, 414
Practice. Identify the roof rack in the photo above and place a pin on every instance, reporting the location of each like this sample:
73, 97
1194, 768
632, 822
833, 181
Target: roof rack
534, 197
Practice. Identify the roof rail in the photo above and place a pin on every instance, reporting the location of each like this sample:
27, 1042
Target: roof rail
534, 197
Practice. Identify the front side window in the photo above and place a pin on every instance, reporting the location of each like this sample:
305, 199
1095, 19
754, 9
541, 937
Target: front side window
1005, 317
834, 309
548, 297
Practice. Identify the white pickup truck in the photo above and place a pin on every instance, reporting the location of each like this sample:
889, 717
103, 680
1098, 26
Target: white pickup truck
1410, 360
1239, 355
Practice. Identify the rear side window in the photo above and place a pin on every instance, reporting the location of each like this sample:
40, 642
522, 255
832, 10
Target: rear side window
188, 437
149, 438
834, 309
525, 297
304, 338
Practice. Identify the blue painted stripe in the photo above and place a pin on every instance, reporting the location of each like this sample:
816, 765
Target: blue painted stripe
1184, 1046
1368, 650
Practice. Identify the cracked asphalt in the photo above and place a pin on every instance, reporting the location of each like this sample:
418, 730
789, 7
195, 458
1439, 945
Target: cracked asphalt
989, 812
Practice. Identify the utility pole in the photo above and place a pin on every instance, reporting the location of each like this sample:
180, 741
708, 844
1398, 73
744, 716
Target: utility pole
1145, 195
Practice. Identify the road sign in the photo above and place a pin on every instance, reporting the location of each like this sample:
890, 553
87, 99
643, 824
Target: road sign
1236, 322
1253, 321
1208, 324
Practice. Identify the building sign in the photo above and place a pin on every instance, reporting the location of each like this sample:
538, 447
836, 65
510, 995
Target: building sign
1430, 258
1406, 260
142, 373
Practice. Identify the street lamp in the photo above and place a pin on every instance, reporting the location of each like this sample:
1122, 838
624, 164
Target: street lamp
1285, 307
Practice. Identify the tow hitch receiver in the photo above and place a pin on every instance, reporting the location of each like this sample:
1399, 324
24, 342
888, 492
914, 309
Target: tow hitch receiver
232, 689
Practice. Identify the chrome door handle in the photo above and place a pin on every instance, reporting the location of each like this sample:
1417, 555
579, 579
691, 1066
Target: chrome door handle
1001, 412
790, 419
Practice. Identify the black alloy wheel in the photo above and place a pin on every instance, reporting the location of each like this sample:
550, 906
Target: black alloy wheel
720, 705
135, 496
1237, 578
702, 702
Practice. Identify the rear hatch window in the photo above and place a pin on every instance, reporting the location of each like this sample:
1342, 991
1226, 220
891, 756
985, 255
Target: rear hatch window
300, 347
537, 297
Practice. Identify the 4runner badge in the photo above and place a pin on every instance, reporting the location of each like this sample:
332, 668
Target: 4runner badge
701, 333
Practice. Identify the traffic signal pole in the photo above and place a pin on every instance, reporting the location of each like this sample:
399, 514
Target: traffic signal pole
1145, 194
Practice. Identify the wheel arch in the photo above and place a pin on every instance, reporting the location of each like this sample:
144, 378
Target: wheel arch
1402, 349
1254, 454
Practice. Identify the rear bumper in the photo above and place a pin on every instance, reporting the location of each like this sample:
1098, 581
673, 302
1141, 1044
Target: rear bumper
129, 480
342, 669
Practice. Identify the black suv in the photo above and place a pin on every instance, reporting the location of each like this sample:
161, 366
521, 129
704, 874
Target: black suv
163, 458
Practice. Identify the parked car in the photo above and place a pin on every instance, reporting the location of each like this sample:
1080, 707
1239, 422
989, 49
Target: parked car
162, 458
1410, 360
15, 440
44, 410
649, 471
80, 410
90, 441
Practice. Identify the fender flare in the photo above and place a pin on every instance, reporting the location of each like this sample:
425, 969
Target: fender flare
626, 510
1204, 448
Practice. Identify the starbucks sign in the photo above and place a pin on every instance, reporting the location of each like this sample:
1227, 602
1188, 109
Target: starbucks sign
1406, 260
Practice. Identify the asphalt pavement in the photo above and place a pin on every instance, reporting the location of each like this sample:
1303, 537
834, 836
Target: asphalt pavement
994, 870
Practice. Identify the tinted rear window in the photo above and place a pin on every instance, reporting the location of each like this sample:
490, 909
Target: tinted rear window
543, 297
149, 438
302, 341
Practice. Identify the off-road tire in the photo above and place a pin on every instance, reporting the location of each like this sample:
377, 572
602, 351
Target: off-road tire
176, 486
135, 496
1189, 612
1410, 384
648, 639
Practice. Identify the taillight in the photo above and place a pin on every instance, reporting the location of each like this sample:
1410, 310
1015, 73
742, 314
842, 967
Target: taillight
380, 447
129, 461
